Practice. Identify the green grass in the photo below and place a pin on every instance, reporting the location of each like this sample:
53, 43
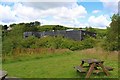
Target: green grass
59, 65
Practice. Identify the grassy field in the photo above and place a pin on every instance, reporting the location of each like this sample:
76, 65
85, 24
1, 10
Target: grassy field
58, 64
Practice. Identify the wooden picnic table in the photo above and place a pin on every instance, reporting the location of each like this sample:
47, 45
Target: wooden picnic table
3, 74
93, 66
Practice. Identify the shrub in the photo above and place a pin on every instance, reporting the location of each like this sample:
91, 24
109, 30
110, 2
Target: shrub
48, 42
113, 36
88, 43
28, 42
110, 46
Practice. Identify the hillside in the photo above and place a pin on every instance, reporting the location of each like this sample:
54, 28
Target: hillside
14, 38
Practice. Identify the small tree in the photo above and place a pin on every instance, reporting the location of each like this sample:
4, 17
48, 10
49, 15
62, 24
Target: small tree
113, 34
12, 25
37, 23
5, 27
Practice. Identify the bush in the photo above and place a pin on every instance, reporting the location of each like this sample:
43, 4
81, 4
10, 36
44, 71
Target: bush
88, 43
113, 36
58, 42
47, 42
28, 42
110, 46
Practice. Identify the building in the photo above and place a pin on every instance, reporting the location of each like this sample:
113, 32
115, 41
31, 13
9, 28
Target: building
72, 34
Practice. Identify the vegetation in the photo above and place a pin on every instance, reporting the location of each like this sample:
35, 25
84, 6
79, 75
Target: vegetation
54, 57
49, 42
113, 34
13, 39
57, 63
51, 27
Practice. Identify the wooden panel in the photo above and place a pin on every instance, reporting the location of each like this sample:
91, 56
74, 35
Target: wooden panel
3, 74
80, 69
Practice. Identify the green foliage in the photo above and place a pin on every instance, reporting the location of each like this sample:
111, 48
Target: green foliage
48, 42
37, 23
13, 25
28, 42
58, 27
14, 39
88, 42
113, 34
5, 27
45, 42
90, 29
51, 27
30, 27
111, 46
101, 33
67, 43
11, 39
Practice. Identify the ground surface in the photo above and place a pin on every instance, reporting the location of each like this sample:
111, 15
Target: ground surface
60, 65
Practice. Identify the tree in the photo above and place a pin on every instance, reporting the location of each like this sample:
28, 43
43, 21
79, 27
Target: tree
90, 29
1, 27
31, 24
37, 23
113, 34
30, 27
5, 27
12, 25
59, 27
86, 28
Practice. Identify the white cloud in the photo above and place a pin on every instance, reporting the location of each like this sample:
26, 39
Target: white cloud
76, 12
110, 6
63, 9
96, 11
6, 14
60, 15
100, 21
25, 13
48, 5
66, 14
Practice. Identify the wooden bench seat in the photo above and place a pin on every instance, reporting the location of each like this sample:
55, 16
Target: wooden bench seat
97, 71
80, 69
109, 68
3, 74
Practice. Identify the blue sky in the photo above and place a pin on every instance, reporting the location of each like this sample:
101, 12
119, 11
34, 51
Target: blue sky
90, 6
71, 14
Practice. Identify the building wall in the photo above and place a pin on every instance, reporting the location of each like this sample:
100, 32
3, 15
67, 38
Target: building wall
73, 34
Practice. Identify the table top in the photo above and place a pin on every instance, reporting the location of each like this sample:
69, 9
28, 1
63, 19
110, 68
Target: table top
92, 61
2, 73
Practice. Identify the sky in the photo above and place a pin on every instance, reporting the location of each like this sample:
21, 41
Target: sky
73, 13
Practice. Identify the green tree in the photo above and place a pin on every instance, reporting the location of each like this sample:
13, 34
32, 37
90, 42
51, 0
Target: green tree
59, 27
5, 27
113, 34
90, 29
30, 27
37, 23
12, 25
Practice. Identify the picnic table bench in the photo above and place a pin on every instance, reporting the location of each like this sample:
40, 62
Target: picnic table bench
93, 67
3, 74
